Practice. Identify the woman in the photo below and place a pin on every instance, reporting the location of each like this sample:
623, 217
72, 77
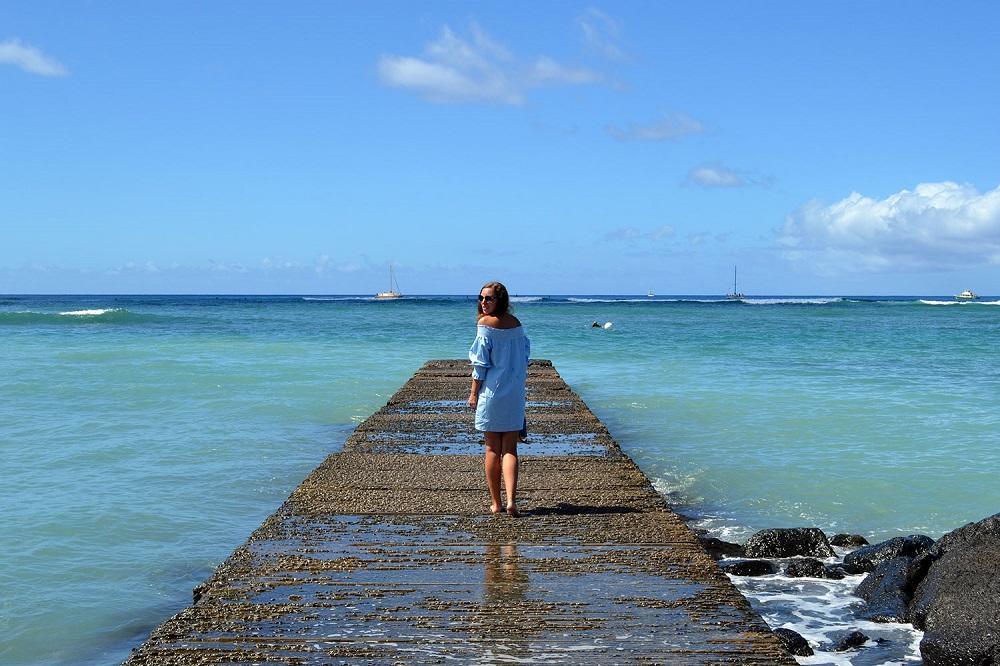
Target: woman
499, 359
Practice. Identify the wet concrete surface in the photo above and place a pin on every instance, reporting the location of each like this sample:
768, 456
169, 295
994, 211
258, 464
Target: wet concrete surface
387, 554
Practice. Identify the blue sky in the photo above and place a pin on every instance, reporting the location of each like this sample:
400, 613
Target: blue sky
224, 147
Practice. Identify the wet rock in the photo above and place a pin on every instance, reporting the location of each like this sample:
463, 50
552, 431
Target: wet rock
749, 567
788, 542
889, 588
718, 548
957, 604
807, 567
867, 558
850, 641
848, 569
793, 642
837, 572
848, 540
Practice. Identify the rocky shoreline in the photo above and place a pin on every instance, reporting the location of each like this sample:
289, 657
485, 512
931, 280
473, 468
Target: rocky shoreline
948, 588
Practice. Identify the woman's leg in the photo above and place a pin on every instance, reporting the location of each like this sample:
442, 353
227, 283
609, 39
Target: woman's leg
493, 463
509, 460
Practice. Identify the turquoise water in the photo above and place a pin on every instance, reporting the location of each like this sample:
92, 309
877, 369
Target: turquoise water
143, 438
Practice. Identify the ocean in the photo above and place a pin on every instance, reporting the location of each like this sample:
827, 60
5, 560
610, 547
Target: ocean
144, 437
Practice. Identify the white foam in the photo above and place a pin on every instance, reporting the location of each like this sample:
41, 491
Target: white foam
723, 528
89, 313
926, 301
608, 300
525, 299
792, 301
823, 610
677, 488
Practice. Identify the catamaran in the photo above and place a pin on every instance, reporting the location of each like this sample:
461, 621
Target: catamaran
735, 295
393, 288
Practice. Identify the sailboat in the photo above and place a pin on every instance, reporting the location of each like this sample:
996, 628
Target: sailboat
735, 295
393, 288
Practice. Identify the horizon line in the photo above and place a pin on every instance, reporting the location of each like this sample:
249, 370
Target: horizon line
517, 295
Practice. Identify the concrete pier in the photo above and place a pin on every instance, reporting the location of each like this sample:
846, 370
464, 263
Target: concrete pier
387, 554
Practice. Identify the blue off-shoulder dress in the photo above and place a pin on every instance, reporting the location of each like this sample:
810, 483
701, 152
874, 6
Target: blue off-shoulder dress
499, 359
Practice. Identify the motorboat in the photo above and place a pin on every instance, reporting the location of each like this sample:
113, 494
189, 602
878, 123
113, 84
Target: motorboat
967, 295
393, 288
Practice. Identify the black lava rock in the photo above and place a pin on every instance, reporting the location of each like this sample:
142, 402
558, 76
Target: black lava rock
837, 572
848, 569
848, 540
854, 639
869, 557
957, 604
889, 588
793, 642
788, 542
718, 548
806, 567
749, 567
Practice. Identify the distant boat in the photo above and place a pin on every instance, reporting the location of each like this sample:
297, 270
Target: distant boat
967, 295
735, 295
393, 288
650, 294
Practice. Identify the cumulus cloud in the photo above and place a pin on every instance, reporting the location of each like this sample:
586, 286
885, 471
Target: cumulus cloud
602, 34
936, 226
14, 52
670, 127
454, 70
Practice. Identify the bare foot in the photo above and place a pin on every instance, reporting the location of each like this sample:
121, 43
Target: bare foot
513, 512
495, 509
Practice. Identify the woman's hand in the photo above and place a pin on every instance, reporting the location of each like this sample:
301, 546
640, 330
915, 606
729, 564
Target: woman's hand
473, 400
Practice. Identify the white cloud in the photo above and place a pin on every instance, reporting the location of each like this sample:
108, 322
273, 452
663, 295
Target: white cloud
716, 175
30, 59
546, 70
455, 70
937, 226
670, 127
327, 264
699, 239
623, 234
633, 234
601, 33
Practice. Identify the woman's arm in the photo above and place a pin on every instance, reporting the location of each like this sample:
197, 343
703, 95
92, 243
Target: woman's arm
474, 393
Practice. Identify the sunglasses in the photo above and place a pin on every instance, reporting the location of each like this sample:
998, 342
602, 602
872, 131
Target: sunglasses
486, 299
